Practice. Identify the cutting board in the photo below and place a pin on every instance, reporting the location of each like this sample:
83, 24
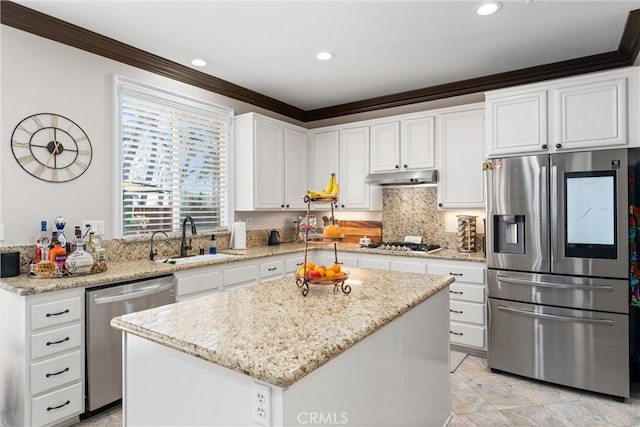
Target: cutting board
354, 230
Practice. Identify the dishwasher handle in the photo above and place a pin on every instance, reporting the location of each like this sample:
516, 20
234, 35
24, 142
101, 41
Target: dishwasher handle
134, 294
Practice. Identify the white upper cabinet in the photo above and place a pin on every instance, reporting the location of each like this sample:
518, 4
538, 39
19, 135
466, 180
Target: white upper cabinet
324, 154
354, 167
403, 144
460, 144
270, 164
417, 143
516, 123
385, 147
591, 112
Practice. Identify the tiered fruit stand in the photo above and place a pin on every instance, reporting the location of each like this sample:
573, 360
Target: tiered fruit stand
304, 281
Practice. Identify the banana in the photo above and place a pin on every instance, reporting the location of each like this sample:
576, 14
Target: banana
329, 186
331, 190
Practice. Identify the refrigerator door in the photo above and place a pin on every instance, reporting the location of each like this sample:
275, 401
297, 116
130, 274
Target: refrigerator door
576, 348
517, 213
589, 201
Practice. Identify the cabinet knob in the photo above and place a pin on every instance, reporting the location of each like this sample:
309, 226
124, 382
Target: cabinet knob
287, 205
544, 146
406, 166
397, 166
282, 206
342, 206
558, 145
439, 204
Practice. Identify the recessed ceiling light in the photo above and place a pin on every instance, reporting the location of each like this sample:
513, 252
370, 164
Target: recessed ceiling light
488, 8
324, 56
198, 62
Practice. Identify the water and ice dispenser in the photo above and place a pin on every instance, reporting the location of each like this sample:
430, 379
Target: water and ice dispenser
509, 234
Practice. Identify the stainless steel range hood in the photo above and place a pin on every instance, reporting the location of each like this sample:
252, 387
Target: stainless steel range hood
407, 178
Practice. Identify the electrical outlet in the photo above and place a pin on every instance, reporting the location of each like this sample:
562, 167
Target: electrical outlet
97, 226
248, 221
261, 404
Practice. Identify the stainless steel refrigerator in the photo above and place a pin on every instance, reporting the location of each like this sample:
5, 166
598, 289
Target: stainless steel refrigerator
558, 268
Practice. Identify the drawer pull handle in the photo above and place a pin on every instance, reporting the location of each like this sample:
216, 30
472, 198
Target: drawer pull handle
58, 314
272, 269
51, 408
456, 292
456, 311
58, 342
57, 373
456, 274
456, 333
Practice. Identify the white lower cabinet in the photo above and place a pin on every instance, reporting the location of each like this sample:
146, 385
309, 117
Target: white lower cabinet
467, 307
197, 282
41, 358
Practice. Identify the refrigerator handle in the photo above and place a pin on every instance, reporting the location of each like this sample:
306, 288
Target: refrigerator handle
553, 240
542, 208
605, 322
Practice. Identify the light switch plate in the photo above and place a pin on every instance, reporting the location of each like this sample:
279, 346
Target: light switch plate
97, 226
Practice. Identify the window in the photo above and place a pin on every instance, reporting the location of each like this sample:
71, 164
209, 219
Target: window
173, 154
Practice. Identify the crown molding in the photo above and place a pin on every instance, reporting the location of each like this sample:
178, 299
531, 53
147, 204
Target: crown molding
40, 24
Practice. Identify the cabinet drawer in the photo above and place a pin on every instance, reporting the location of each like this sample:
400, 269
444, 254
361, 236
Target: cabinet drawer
376, 264
55, 313
291, 265
235, 276
271, 269
196, 283
467, 335
460, 291
57, 405
55, 372
469, 312
409, 267
465, 273
51, 342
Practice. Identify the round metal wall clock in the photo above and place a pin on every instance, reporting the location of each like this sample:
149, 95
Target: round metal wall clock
51, 147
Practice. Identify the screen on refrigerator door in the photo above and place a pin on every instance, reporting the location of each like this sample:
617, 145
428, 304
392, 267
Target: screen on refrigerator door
590, 208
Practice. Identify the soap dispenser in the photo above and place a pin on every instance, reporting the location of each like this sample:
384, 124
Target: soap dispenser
213, 246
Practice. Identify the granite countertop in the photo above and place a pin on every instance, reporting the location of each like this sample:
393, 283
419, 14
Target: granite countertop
140, 269
274, 334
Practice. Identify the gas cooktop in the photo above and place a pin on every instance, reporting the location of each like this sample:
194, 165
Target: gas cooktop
405, 247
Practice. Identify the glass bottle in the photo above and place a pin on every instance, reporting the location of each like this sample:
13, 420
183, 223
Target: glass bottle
42, 244
57, 253
79, 261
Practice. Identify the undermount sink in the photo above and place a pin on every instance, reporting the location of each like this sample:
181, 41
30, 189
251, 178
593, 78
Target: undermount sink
196, 258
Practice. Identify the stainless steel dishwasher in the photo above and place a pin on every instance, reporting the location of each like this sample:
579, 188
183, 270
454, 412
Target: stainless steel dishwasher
104, 343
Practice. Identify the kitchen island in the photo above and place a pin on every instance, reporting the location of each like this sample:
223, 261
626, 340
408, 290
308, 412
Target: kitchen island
378, 356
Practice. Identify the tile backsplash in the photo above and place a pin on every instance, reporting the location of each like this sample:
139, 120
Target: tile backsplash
413, 211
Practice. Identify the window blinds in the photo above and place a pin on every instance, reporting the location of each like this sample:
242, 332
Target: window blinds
174, 161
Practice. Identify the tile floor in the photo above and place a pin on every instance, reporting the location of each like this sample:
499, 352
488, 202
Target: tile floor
482, 398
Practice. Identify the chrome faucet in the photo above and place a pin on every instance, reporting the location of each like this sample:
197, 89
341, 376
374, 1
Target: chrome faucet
184, 248
153, 252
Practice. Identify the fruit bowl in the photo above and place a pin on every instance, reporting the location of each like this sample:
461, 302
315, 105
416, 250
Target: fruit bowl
324, 280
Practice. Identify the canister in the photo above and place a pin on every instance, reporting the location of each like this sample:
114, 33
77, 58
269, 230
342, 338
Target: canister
466, 233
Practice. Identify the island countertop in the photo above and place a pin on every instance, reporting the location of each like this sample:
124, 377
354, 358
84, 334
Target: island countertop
274, 334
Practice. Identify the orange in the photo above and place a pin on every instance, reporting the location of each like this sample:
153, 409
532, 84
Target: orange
319, 270
332, 231
330, 274
336, 268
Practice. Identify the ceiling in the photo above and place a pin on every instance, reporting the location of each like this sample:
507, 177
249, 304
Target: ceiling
380, 47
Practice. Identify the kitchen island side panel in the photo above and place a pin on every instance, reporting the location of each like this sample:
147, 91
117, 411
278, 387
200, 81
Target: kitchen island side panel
397, 376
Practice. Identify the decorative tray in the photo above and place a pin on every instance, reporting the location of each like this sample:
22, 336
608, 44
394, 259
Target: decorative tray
324, 280
48, 271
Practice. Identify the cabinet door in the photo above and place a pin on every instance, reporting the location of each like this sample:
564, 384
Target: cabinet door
385, 147
590, 115
461, 148
269, 164
418, 143
354, 167
295, 160
516, 124
324, 153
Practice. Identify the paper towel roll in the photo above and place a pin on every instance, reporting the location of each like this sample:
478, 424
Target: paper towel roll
239, 235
